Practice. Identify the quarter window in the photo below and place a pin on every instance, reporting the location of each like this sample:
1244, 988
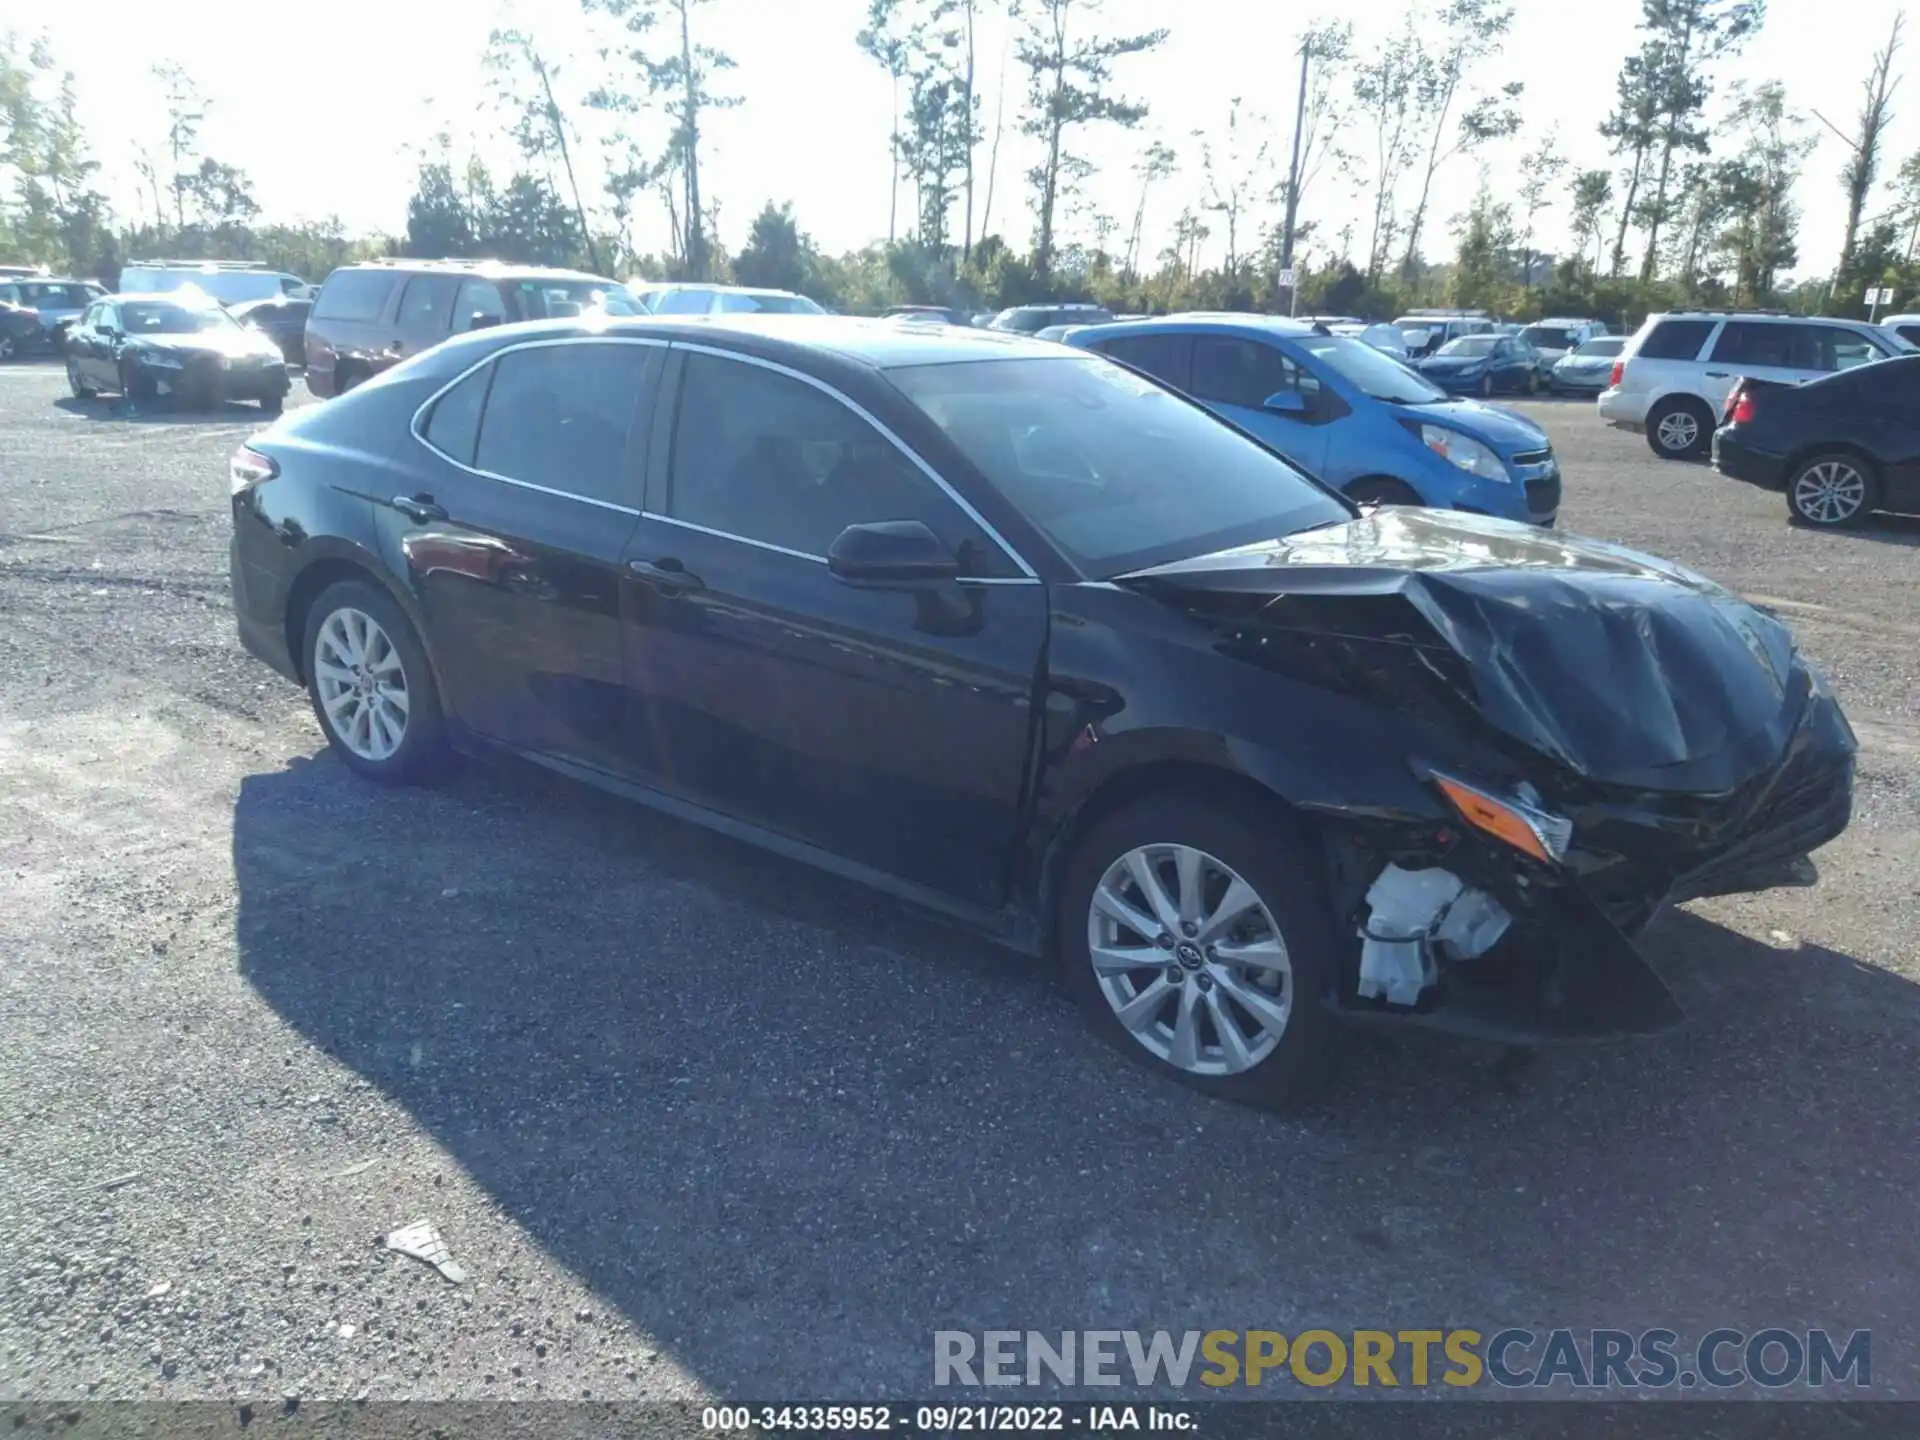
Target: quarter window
453, 425
763, 456
563, 416
355, 295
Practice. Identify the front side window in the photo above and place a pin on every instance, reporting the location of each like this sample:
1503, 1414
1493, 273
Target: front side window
561, 416
543, 299
1116, 471
1841, 349
1230, 370
764, 456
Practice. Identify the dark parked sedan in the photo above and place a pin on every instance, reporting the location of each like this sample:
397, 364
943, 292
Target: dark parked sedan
1841, 447
145, 346
1018, 634
1483, 365
283, 321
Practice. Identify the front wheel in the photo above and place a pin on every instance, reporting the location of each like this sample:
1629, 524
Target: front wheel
1486, 387
372, 687
273, 404
1195, 943
1383, 490
1832, 491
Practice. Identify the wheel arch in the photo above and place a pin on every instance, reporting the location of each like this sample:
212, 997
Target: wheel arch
1831, 447
330, 568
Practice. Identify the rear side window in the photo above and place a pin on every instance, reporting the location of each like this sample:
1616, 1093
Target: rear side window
684, 302
424, 306
562, 416
1158, 355
1908, 333
1675, 340
1232, 371
453, 425
355, 295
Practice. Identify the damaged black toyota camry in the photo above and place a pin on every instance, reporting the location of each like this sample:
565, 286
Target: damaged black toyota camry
1017, 634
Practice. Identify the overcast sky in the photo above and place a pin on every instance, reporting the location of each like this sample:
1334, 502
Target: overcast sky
326, 107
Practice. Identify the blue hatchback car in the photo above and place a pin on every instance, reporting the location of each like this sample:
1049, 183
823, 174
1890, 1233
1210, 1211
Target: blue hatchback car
1357, 419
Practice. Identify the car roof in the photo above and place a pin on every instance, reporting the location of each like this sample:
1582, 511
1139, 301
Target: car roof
166, 297
487, 269
1223, 321
878, 343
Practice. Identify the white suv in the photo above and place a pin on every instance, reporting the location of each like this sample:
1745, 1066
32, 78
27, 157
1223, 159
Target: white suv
1673, 379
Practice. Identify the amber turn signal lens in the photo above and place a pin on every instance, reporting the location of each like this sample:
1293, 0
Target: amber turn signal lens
1503, 822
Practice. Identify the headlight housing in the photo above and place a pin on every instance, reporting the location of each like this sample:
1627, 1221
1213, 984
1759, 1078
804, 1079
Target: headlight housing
1517, 820
1466, 452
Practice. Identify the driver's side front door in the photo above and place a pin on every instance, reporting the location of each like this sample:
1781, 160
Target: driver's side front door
887, 726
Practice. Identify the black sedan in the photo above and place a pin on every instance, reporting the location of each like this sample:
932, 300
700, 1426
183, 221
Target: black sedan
282, 320
1841, 447
145, 346
1017, 634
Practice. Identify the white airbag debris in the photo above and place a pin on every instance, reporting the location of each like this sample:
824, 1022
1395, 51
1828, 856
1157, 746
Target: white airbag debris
1414, 914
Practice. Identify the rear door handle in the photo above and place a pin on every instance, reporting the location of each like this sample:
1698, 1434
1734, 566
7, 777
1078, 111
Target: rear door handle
666, 575
421, 509
1716, 375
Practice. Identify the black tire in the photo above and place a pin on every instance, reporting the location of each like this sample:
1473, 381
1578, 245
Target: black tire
422, 753
1533, 382
1822, 486
1383, 490
9, 346
81, 390
1259, 846
1671, 437
345, 378
134, 385
1486, 387
273, 404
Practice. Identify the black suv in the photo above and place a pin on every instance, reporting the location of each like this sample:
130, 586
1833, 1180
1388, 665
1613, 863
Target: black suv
370, 317
1032, 319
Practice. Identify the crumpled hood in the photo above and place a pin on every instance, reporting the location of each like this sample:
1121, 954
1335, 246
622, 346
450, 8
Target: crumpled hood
1507, 431
231, 343
1627, 669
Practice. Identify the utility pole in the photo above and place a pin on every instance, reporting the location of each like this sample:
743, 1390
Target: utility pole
1293, 185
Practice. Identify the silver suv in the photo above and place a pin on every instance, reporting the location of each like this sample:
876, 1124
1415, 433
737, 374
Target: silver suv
1673, 379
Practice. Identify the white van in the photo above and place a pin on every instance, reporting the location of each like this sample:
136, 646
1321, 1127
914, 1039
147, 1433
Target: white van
227, 282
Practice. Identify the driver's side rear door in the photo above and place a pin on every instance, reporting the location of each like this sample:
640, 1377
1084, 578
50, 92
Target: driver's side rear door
889, 727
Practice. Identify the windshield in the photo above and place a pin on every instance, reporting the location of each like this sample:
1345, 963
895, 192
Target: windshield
552, 299
1471, 345
1611, 345
154, 317
764, 302
1374, 373
1548, 337
1027, 322
1117, 472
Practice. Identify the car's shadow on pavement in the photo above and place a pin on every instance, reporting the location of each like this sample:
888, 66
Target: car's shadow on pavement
163, 410
790, 1129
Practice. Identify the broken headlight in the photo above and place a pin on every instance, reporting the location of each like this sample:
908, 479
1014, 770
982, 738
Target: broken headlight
1517, 820
1466, 452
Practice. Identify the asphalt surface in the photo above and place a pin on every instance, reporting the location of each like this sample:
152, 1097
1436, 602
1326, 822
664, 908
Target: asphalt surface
699, 1122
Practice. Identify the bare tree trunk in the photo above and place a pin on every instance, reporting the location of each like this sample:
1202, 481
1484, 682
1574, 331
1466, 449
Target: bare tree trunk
1426, 182
1050, 184
893, 148
966, 247
1626, 212
558, 122
696, 247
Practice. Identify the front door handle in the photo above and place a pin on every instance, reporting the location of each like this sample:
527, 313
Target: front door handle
666, 575
421, 508
1717, 375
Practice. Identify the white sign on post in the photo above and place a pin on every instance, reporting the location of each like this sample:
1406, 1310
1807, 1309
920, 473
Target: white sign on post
1284, 279
1879, 297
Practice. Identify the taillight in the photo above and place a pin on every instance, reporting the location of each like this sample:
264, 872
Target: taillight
249, 467
1741, 412
1613, 377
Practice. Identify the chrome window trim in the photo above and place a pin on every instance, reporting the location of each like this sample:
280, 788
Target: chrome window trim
417, 427
1027, 574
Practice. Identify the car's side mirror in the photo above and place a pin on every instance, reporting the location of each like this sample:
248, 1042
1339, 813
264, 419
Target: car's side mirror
1286, 402
891, 552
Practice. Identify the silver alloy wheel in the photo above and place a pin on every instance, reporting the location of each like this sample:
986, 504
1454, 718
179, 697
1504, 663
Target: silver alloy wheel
362, 684
1679, 430
1830, 493
1188, 956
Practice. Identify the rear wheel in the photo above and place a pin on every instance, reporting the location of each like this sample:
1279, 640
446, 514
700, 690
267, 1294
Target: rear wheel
1832, 491
372, 687
1196, 943
346, 377
9, 346
273, 404
134, 385
81, 389
1679, 429
1383, 490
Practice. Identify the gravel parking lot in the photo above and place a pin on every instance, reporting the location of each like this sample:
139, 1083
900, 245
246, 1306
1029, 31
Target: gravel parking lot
700, 1122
